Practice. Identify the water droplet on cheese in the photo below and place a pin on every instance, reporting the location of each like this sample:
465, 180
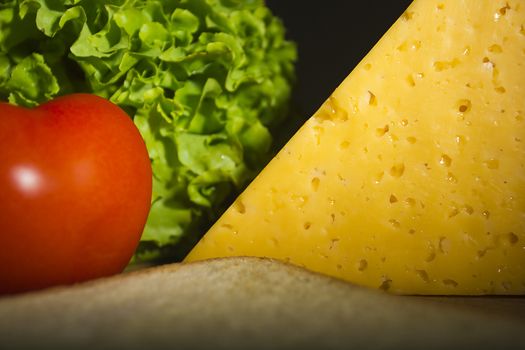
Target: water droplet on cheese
451, 178
469, 210
392, 199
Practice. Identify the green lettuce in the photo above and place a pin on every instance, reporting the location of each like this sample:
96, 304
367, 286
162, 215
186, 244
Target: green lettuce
206, 82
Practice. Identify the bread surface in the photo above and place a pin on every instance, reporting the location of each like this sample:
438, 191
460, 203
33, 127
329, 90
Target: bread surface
247, 303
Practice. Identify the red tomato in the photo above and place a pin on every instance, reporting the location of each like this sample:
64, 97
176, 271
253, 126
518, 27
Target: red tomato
75, 192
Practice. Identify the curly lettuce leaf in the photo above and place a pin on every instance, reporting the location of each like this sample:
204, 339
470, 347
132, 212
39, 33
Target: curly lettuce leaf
206, 82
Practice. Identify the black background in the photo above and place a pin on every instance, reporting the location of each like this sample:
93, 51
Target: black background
332, 37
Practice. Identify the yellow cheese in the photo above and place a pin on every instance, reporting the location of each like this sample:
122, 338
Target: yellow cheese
410, 177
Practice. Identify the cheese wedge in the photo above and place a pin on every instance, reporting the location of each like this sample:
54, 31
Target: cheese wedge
410, 177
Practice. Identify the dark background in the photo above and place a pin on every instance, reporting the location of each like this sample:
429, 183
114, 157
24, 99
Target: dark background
332, 37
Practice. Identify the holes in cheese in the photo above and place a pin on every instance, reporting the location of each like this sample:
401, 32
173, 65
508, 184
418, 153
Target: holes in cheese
410, 177
450, 282
411, 139
444, 65
423, 275
392, 199
397, 170
464, 106
239, 206
495, 48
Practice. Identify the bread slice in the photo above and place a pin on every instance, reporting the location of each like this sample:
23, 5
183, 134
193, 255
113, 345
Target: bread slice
243, 303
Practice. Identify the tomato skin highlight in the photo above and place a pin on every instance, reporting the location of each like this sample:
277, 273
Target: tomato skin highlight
75, 192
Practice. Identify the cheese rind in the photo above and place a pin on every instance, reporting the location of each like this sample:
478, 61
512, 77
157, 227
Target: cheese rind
410, 177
